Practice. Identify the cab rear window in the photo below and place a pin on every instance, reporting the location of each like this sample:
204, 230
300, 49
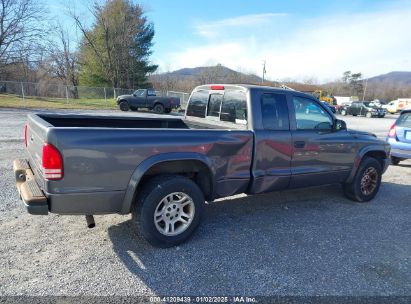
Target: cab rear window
234, 107
197, 105
230, 106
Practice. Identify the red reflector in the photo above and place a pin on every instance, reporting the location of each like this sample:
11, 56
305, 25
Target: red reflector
217, 87
392, 132
52, 163
25, 135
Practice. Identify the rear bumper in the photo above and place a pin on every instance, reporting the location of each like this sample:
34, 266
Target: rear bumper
399, 149
401, 153
38, 202
30, 193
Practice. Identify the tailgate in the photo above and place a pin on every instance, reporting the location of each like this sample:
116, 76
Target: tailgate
36, 137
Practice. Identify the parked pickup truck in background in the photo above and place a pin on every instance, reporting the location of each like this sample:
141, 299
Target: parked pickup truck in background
233, 139
147, 98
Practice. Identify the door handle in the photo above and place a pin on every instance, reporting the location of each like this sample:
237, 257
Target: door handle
299, 144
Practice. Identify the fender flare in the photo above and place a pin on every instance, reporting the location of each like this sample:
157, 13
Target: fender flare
360, 155
148, 163
122, 99
160, 101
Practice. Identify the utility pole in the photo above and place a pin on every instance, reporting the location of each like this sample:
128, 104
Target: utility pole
264, 71
365, 89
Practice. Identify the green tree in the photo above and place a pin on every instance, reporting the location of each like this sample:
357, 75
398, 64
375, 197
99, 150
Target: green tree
353, 83
115, 51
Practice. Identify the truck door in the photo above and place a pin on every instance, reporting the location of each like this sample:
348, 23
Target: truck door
320, 155
140, 99
271, 169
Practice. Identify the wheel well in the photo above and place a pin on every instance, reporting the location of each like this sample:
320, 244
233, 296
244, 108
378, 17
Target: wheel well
378, 155
121, 100
156, 102
196, 170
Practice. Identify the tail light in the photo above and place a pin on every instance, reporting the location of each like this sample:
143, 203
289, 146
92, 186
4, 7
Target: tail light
52, 163
25, 135
392, 132
217, 87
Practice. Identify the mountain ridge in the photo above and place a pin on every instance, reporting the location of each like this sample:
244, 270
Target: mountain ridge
222, 73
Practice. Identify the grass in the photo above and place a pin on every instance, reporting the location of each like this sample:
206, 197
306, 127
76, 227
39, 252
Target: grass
12, 101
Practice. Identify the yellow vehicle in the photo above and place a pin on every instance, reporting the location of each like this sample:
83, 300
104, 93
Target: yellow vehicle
324, 95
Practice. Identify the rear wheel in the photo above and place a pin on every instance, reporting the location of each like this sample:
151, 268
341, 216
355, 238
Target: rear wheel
168, 210
159, 108
124, 106
395, 160
366, 182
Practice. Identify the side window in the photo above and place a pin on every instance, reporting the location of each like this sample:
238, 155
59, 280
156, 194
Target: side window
139, 93
151, 92
274, 112
234, 107
197, 104
214, 105
309, 115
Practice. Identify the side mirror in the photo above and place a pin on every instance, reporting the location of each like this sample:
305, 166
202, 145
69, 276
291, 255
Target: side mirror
340, 125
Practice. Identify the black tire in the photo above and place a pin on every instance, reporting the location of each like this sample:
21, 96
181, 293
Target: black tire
124, 106
167, 111
395, 160
355, 191
343, 112
158, 108
354, 114
149, 200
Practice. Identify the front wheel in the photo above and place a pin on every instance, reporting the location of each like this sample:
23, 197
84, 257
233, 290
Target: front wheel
366, 182
124, 106
168, 210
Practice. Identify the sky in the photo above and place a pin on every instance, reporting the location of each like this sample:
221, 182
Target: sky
297, 39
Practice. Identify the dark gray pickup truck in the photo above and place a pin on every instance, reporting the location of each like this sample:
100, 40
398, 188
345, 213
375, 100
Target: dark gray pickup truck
147, 98
233, 139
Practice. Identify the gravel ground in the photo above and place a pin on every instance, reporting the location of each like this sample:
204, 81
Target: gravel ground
301, 242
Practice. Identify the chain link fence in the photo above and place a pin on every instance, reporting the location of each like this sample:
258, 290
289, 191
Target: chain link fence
103, 97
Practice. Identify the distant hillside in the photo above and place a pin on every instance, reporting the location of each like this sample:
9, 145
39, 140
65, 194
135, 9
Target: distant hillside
216, 73
398, 78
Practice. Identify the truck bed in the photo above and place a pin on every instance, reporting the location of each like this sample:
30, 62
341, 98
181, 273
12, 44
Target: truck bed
118, 122
101, 153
